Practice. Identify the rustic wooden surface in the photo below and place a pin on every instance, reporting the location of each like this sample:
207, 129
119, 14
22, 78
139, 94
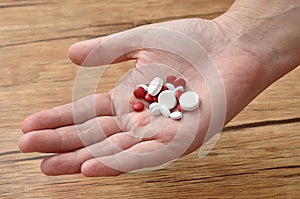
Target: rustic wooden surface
257, 156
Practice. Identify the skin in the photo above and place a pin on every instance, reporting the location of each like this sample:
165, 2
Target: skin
252, 45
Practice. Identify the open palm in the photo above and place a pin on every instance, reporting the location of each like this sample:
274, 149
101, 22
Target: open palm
100, 135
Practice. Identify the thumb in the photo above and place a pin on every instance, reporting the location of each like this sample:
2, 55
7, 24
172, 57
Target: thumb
109, 49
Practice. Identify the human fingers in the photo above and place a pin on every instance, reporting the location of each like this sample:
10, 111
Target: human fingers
167, 144
143, 155
69, 163
126, 45
123, 146
68, 114
79, 51
69, 138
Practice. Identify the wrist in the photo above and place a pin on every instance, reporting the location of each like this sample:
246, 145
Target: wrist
268, 30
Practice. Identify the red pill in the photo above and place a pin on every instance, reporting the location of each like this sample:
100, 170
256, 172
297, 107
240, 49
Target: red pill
148, 98
180, 82
155, 99
138, 106
178, 93
164, 88
139, 92
170, 79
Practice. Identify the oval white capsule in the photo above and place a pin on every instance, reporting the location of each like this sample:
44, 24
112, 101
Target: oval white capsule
165, 111
176, 115
156, 111
155, 86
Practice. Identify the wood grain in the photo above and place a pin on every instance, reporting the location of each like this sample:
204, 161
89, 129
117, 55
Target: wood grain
257, 155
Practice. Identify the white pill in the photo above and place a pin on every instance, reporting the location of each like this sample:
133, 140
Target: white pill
168, 99
165, 111
155, 86
153, 105
189, 101
170, 86
176, 115
144, 86
156, 111
179, 88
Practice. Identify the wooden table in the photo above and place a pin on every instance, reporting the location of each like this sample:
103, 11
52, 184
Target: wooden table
257, 156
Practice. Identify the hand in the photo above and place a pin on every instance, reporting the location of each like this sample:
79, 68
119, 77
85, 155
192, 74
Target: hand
114, 140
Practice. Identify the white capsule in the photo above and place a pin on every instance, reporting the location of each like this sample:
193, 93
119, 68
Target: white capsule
155, 86
153, 105
176, 115
179, 88
170, 86
165, 111
156, 111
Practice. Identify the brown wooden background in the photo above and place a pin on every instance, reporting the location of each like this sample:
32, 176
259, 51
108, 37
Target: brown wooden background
257, 156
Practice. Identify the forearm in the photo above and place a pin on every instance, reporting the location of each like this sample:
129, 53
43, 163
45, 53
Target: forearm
268, 29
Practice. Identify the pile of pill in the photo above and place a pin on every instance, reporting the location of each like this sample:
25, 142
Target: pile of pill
167, 99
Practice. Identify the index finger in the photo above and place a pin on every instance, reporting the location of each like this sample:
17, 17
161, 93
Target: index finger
77, 112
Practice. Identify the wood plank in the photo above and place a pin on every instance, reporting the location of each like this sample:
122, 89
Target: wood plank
71, 19
259, 157
245, 163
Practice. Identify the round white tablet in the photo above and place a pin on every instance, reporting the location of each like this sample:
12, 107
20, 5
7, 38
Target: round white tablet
179, 88
154, 105
155, 86
156, 111
170, 86
176, 115
189, 101
168, 99
165, 111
